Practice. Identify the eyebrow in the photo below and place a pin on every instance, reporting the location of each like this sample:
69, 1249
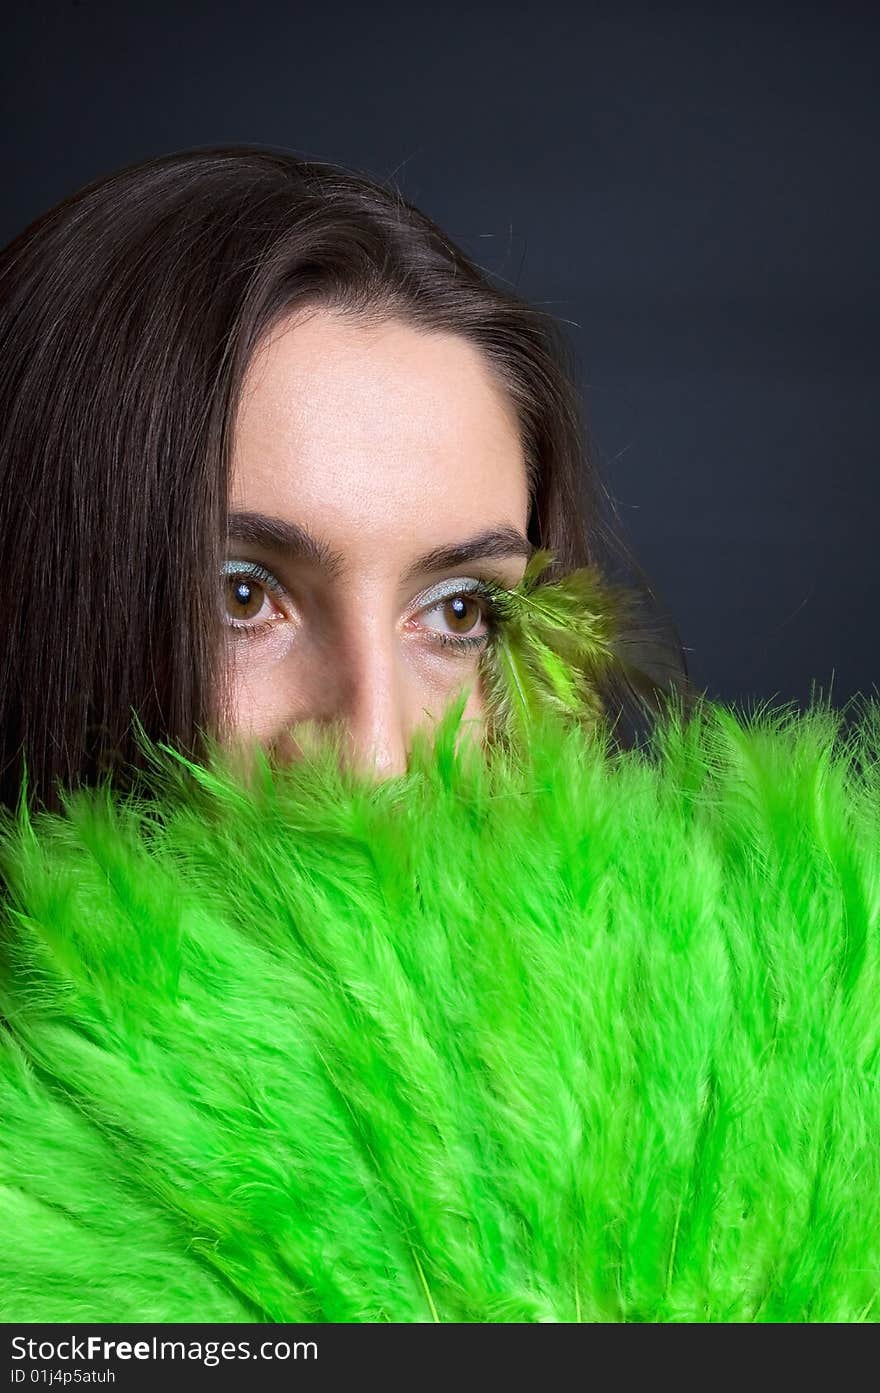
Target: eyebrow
297, 543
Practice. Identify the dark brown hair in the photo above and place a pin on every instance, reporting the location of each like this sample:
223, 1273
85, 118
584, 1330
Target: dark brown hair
128, 316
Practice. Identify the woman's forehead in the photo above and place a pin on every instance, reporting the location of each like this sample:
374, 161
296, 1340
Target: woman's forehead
400, 438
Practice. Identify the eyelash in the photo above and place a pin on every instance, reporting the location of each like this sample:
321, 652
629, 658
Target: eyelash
459, 645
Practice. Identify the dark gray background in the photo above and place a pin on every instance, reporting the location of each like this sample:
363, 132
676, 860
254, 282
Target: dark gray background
691, 188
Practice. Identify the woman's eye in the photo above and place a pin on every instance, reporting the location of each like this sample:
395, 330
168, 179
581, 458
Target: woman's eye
460, 613
465, 621
247, 605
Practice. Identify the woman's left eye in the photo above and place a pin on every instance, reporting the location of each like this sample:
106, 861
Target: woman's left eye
467, 620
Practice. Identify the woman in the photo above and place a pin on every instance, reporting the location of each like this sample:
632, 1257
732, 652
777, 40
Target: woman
567, 1039
235, 363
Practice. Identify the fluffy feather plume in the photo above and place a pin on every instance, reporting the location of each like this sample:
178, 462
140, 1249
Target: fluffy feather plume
554, 641
572, 1038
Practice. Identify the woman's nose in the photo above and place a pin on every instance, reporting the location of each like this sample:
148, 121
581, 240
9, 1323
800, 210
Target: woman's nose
376, 749
372, 708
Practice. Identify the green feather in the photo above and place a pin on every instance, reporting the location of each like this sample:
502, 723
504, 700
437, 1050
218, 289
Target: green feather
554, 641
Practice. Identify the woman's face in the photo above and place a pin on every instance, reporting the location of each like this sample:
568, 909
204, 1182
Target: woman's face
373, 450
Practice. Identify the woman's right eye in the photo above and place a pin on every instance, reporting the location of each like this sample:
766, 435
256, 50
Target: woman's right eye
247, 606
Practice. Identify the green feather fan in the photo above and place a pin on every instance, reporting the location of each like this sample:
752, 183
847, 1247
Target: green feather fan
533, 1032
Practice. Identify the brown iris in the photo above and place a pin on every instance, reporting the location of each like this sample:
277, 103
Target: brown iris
460, 623
245, 591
